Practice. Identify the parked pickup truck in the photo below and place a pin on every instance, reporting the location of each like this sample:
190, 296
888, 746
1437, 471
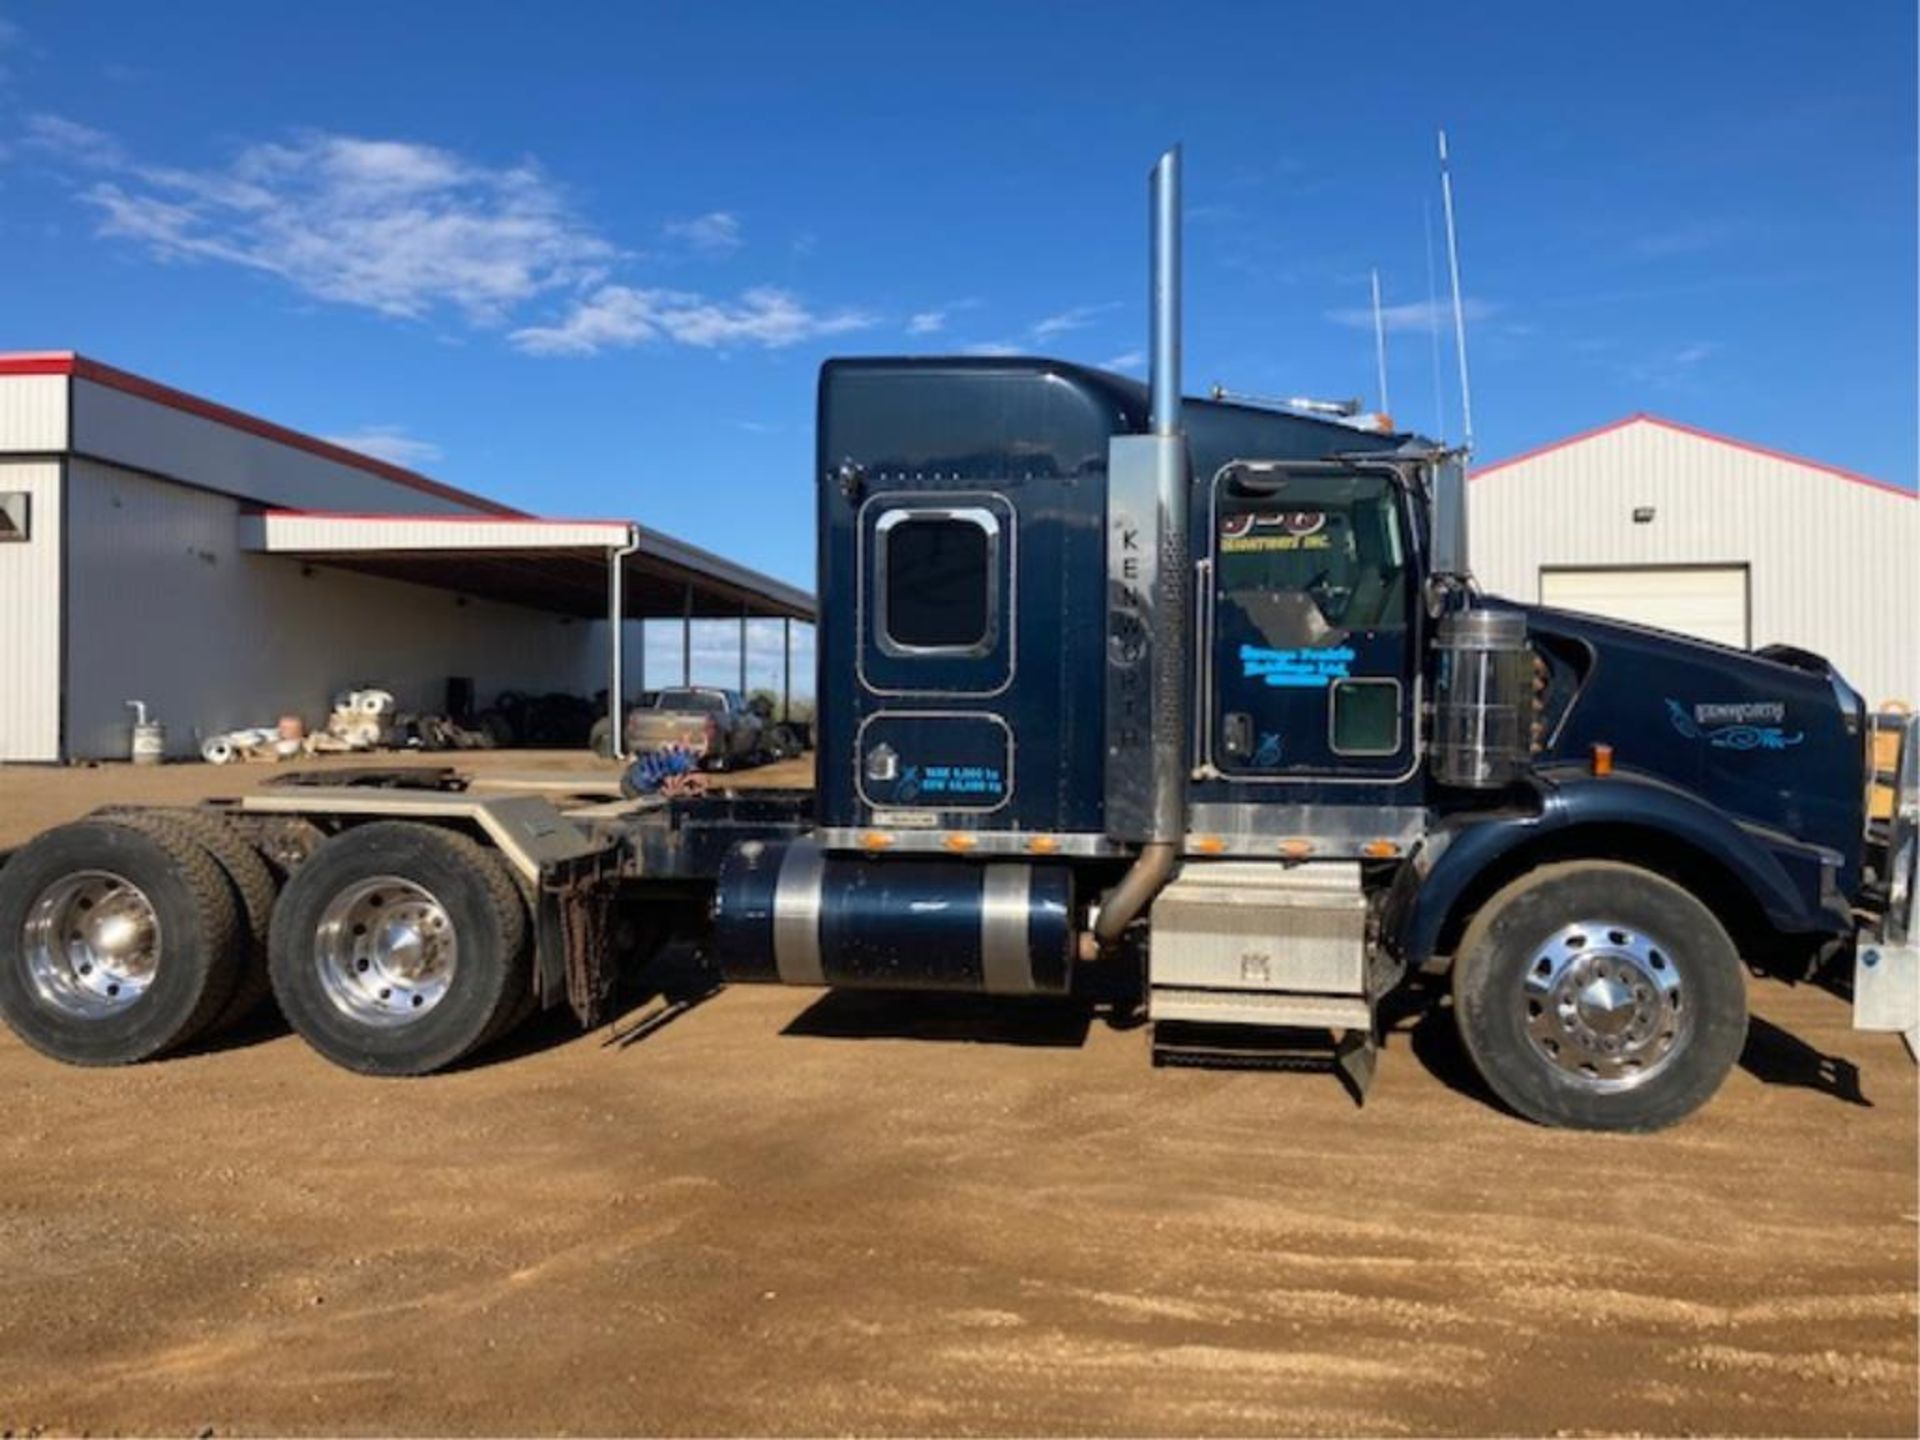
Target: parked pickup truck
720, 727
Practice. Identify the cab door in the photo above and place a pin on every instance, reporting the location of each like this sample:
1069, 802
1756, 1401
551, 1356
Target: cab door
1311, 615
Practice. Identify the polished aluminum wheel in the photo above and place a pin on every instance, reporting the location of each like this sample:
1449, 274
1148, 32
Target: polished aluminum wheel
92, 944
386, 951
1606, 1003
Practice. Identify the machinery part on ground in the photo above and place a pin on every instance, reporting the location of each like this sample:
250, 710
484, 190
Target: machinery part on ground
117, 944
400, 948
1600, 996
149, 744
1484, 699
784, 743
673, 770
254, 886
788, 912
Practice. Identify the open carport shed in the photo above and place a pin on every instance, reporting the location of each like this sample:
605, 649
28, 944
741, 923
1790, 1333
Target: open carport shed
614, 570
225, 570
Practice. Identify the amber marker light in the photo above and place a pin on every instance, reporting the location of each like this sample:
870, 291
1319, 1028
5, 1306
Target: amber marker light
875, 840
960, 842
1209, 844
1296, 849
1044, 845
1380, 849
1602, 759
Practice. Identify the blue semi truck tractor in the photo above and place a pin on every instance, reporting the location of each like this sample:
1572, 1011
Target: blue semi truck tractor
1189, 703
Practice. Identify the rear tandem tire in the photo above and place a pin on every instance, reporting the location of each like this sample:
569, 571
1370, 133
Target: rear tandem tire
149, 971
254, 890
415, 995
1599, 996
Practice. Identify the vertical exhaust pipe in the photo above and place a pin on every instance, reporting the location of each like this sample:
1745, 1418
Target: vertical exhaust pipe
1164, 299
1147, 610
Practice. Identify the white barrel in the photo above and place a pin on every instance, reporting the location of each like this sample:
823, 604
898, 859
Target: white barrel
149, 742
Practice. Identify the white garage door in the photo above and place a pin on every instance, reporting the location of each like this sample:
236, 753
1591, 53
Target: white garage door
1707, 601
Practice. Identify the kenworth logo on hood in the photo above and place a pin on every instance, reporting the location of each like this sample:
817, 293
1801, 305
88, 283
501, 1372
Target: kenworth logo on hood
1735, 725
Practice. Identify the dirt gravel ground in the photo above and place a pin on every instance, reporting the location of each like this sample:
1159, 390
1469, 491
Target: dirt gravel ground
783, 1213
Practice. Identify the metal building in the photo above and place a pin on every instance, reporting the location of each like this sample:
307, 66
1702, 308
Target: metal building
1667, 525
222, 569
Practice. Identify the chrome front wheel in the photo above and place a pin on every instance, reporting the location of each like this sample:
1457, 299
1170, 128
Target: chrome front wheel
1606, 1003
1596, 994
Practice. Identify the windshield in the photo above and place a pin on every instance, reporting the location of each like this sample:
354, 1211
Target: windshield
707, 702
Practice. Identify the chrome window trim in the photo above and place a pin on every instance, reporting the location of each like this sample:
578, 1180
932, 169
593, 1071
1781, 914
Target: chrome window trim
868, 623
982, 519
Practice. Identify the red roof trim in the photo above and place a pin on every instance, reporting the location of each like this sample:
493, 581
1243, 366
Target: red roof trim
512, 518
1642, 418
66, 362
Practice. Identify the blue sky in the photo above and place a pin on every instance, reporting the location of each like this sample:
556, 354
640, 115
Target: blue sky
587, 259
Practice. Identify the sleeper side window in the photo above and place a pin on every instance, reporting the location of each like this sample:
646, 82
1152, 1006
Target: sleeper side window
938, 581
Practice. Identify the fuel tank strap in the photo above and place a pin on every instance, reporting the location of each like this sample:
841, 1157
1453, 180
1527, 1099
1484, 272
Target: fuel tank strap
1006, 962
796, 917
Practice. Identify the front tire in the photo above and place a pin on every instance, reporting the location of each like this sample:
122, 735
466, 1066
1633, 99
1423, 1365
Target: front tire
116, 944
398, 949
1599, 996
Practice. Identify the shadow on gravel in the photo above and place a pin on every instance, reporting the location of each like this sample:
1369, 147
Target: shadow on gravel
1779, 1057
1431, 1035
953, 1019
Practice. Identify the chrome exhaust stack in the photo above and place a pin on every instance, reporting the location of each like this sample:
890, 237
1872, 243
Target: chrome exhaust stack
1147, 610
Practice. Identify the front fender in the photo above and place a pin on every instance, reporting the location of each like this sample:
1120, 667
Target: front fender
1790, 883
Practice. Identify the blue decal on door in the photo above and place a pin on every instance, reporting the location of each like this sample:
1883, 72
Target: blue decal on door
1295, 669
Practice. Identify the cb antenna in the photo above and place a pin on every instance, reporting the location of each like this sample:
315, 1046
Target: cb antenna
1380, 345
1459, 311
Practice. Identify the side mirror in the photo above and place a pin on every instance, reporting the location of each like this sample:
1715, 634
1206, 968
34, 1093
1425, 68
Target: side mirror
1450, 516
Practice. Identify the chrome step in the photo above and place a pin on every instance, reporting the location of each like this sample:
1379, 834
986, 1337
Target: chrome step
1250, 950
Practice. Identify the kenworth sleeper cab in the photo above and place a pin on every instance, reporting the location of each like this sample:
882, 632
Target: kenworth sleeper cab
1193, 694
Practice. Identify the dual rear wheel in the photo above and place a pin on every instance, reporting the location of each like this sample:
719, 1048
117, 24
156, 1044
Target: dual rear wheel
395, 949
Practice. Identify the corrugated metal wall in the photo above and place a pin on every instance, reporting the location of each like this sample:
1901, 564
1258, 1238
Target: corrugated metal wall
125, 429
1833, 561
33, 413
164, 606
30, 616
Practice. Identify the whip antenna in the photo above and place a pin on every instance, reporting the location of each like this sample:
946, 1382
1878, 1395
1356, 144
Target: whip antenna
1459, 311
1380, 346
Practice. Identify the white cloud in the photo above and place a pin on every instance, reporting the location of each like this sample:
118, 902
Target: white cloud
416, 231
390, 443
1126, 360
991, 347
1078, 318
927, 322
1673, 367
70, 140
1689, 237
401, 228
715, 233
618, 316
1420, 316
